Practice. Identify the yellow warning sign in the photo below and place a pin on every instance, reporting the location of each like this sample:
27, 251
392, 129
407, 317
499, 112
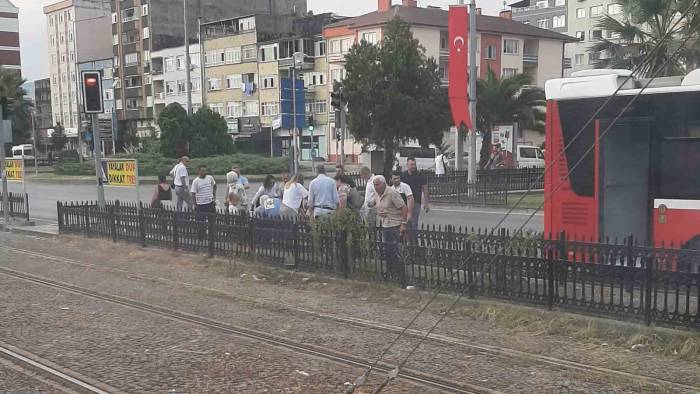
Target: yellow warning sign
121, 173
14, 169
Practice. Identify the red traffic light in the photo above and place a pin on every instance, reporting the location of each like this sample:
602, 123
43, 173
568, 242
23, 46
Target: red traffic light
91, 81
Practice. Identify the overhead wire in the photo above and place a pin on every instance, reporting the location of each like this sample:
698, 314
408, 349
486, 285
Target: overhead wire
364, 377
395, 372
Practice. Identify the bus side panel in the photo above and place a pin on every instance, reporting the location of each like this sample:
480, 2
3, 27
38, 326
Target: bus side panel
678, 224
564, 210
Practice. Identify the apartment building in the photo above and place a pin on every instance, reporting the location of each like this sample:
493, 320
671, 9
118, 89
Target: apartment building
42, 106
545, 14
584, 15
245, 60
9, 36
504, 46
169, 75
74, 26
140, 27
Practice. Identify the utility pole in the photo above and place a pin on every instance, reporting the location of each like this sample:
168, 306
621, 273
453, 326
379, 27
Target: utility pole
472, 90
188, 63
202, 73
343, 129
34, 138
3, 173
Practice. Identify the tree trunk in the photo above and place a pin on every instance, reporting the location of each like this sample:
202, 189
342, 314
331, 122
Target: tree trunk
389, 156
485, 148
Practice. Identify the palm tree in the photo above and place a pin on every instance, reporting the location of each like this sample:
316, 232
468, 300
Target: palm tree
630, 40
11, 87
507, 100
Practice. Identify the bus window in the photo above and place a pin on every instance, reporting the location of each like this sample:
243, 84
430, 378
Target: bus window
677, 167
528, 153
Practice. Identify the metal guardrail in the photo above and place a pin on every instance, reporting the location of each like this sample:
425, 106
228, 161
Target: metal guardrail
626, 280
19, 205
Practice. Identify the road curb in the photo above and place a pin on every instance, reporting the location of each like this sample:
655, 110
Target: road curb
28, 231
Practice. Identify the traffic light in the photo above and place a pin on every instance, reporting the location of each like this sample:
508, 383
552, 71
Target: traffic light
92, 92
337, 100
310, 122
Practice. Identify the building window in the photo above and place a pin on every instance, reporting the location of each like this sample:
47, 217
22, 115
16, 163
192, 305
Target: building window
580, 13
232, 55
314, 79
132, 103
169, 64
593, 57
559, 21
614, 9
170, 87
511, 47
181, 62
581, 35
596, 35
246, 24
268, 82
320, 48
234, 109
335, 46
317, 107
107, 73
491, 52
234, 81
132, 82
130, 14
115, 39
70, 36
370, 37
249, 53
596, 11
108, 94
60, 17
146, 32
53, 59
116, 61
131, 59
268, 53
144, 9
338, 74
62, 38
269, 108
609, 34
578, 59
250, 108
114, 17
53, 40
181, 87
560, 3
542, 4
542, 23
196, 85
345, 45
214, 83
509, 72
51, 21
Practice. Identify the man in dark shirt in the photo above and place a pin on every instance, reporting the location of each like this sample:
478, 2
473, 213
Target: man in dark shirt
419, 186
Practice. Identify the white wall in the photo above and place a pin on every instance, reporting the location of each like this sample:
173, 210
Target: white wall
430, 39
550, 61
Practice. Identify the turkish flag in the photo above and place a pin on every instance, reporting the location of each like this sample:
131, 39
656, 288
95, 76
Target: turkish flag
458, 65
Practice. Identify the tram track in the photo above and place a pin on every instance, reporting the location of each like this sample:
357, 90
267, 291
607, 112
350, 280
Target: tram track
53, 375
499, 351
259, 336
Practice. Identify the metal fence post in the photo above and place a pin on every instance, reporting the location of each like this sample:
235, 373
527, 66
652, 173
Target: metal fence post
550, 277
341, 244
648, 291
87, 220
175, 232
59, 210
251, 240
295, 243
210, 232
112, 223
142, 224
26, 205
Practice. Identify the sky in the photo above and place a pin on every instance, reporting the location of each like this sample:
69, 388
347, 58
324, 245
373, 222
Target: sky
34, 40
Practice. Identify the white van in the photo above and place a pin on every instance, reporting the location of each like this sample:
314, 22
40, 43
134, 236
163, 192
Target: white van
25, 151
425, 157
529, 157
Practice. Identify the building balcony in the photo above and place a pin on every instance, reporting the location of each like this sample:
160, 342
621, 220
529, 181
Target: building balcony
285, 64
567, 62
336, 57
530, 58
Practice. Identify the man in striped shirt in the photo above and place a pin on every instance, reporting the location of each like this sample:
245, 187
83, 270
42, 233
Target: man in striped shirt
204, 191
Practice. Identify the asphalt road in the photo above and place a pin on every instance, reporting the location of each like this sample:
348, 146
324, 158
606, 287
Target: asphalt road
43, 198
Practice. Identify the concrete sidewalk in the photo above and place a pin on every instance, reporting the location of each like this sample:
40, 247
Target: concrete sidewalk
42, 229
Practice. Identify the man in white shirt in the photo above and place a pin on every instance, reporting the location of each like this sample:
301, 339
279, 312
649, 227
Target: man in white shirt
369, 211
404, 190
182, 183
204, 191
440, 164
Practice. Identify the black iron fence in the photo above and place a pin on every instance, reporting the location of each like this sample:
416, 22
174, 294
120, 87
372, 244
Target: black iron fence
623, 280
19, 205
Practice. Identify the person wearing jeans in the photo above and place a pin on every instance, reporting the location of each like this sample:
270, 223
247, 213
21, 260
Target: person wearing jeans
181, 182
392, 215
419, 186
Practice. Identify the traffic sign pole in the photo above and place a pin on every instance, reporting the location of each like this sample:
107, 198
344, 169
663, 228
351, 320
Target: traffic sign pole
98, 160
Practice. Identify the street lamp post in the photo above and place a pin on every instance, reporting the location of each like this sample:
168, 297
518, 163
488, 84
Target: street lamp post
188, 65
472, 90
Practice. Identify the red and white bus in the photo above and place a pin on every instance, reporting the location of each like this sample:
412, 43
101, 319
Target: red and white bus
642, 177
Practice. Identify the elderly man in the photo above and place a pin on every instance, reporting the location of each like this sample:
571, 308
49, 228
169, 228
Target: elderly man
392, 214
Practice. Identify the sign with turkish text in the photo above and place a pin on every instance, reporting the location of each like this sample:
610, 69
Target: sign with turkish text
14, 170
458, 25
120, 173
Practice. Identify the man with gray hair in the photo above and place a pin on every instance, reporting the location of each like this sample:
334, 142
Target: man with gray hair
181, 181
392, 214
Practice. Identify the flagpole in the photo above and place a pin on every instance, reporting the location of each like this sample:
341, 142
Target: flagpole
472, 90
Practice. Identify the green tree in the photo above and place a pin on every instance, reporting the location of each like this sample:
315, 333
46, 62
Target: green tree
394, 93
209, 134
175, 131
11, 87
58, 138
507, 100
642, 26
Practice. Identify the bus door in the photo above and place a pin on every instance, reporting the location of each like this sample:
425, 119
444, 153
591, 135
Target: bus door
623, 190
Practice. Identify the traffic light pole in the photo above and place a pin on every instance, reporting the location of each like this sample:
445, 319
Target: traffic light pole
3, 175
188, 63
97, 138
472, 90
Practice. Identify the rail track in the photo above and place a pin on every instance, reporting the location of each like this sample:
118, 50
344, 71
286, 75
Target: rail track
437, 338
270, 339
49, 373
